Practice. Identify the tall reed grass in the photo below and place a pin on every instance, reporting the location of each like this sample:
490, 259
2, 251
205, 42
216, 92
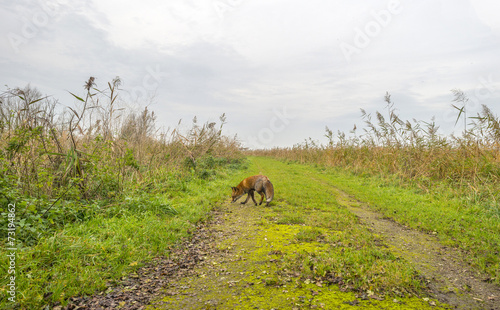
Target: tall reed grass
414, 151
55, 159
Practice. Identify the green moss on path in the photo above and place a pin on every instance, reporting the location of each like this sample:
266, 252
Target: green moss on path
305, 251
251, 273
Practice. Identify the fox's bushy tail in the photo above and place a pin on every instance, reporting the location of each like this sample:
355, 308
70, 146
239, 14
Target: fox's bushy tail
269, 191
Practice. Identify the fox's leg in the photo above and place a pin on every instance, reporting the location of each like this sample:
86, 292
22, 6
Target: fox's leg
250, 194
253, 197
261, 197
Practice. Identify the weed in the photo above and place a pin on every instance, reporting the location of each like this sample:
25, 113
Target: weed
290, 219
309, 235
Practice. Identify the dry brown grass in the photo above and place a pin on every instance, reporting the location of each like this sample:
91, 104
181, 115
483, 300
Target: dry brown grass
413, 152
95, 148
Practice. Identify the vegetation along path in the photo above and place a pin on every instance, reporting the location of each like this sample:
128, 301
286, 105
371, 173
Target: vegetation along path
317, 247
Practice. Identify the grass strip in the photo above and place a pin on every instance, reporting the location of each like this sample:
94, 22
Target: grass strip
90, 256
473, 228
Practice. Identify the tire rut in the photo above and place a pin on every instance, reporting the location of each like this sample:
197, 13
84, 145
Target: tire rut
450, 278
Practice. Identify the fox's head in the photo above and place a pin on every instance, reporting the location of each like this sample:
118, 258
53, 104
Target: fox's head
236, 194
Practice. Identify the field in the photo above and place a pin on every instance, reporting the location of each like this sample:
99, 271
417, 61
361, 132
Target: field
103, 203
96, 190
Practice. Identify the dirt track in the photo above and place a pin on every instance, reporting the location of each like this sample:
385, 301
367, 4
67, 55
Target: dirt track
232, 261
451, 280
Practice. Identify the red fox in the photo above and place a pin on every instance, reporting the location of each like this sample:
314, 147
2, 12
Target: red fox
256, 183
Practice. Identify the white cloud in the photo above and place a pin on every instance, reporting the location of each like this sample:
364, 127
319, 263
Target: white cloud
249, 58
487, 11
154, 23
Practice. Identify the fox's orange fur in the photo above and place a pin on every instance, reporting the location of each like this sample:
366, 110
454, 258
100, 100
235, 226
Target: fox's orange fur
256, 183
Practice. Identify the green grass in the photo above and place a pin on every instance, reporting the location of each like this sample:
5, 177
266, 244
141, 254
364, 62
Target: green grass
310, 235
306, 250
457, 222
332, 245
474, 228
290, 219
86, 257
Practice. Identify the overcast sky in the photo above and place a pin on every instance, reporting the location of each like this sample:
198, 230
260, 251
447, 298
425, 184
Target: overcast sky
280, 70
